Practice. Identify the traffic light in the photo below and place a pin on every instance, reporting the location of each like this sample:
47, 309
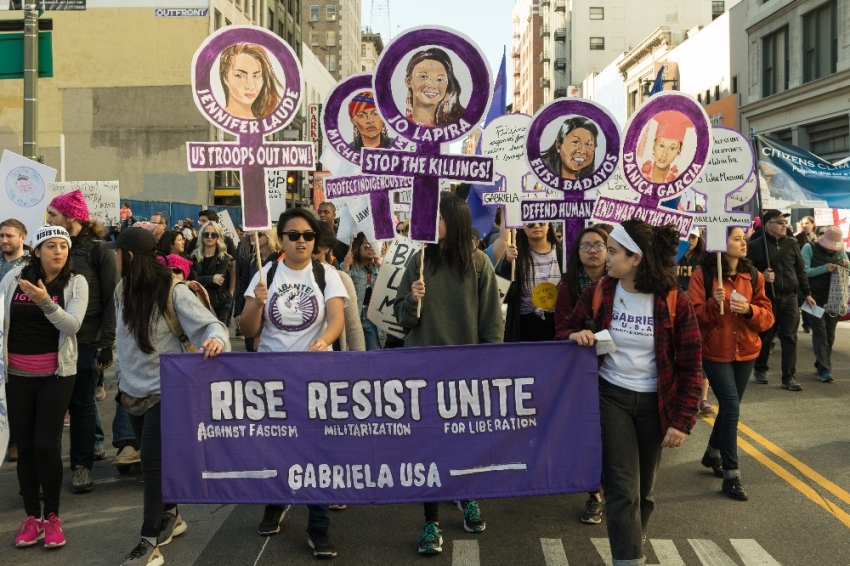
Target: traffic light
290, 183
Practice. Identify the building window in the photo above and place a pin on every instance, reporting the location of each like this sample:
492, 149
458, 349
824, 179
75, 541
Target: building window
227, 22
217, 20
597, 44
330, 13
830, 137
717, 9
271, 21
280, 29
314, 38
735, 85
314, 13
330, 63
708, 97
597, 13
716, 93
783, 136
330, 38
775, 62
820, 42
699, 98
289, 38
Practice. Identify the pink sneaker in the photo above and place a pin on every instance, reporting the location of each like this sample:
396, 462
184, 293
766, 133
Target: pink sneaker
29, 532
53, 535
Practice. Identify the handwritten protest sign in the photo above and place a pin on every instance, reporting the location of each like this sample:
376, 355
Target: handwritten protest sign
283, 428
380, 311
102, 198
504, 141
276, 189
239, 107
4, 413
227, 225
24, 194
730, 164
430, 111
377, 189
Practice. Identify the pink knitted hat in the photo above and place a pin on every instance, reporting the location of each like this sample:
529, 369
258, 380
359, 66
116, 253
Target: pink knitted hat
176, 262
73, 205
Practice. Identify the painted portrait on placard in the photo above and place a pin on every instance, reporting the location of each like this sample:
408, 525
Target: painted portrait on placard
368, 127
572, 152
433, 89
245, 81
667, 145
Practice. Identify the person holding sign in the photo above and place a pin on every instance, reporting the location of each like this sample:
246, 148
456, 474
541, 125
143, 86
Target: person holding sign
433, 91
299, 306
362, 264
649, 387
45, 304
462, 307
531, 297
730, 346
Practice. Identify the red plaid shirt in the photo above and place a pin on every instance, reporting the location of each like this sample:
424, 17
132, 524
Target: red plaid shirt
678, 350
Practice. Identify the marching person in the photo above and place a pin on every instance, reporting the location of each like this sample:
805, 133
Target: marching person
785, 274
362, 264
45, 304
288, 328
462, 307
246, 268
97, 334
211, 265
649, 387
822, 258
730, 346
147, 291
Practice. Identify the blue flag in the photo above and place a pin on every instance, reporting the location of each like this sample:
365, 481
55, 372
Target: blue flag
658, 85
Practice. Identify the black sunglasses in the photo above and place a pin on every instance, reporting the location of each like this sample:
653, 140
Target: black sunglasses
295, 236
211, 235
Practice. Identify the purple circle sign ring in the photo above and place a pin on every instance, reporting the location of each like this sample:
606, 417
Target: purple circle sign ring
330, 114
660, 103
414, 40
560, 110
210, 51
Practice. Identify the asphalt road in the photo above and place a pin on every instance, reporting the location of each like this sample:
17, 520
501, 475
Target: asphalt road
794, 453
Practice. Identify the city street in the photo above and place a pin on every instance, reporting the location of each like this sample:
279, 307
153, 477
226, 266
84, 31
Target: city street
794, 450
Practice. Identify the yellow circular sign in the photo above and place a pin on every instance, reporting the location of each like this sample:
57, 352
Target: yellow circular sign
544, 295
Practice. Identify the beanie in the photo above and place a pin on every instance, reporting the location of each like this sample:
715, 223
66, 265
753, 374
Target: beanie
175, 261
73, 205
137, 240
47, 231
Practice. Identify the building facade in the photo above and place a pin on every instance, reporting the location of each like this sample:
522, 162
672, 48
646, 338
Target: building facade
797, 72
331, 29
529, 76
371, 47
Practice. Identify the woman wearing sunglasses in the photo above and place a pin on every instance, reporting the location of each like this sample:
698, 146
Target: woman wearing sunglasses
531, 297
300, 309
211, 262
362, 264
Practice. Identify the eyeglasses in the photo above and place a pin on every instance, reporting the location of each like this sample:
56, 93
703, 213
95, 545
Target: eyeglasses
367, 246
295, 236
598, 246
210, 235
535, 224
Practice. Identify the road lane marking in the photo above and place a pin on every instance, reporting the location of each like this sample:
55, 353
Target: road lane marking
710, 554
603, 547
465, 553
751, 553
493, 468
666, 552
553, 552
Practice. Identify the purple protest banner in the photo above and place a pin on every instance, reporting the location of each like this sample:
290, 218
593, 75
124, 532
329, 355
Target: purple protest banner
378, 189
432, 85
573, 146
404, 425
247, 81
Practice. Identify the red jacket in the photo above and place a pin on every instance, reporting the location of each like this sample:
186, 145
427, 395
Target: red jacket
730, 337
678, 354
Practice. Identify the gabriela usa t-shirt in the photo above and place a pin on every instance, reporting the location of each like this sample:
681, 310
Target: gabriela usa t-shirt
294, 314
632, 366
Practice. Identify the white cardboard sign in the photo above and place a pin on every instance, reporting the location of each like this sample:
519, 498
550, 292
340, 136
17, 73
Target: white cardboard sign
23, 191
102, 198
392, 269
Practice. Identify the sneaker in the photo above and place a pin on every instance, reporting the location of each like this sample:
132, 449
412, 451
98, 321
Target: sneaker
593, 510
733, 488
431, 539
713, 462
145, 554
29, 533
82, 480
126, 456
705, 407
826, 377
172, 526
99, 452
67, 419
760, 377
321, 544
472, 521
791, 385
100, 393
53, 535
272, 517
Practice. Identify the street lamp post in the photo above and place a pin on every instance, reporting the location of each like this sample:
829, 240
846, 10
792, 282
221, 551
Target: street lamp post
31, 80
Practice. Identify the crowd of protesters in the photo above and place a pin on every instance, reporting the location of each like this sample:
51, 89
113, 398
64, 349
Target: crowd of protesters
76, 295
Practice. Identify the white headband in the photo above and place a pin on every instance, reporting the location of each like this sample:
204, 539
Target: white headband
619, 233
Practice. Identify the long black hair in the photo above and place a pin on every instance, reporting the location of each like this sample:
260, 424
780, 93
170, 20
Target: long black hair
34, 271
325, 238
659, 244
147, 283
552, 156
167, 240
456, 251
698, 251
570, 277
708, 261
524, 259
356, 245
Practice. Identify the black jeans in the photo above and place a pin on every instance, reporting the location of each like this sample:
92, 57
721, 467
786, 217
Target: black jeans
37, 408
823, 337
318, 516
532, 328
728, 381
149, 439
787, 316
631, 454
83, 408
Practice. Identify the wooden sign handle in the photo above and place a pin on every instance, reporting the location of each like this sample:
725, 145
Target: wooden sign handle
421, 278
720, 277
259, 258
512, 240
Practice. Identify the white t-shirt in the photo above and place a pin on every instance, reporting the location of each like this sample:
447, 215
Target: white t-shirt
294, 314
632, 366
544, 270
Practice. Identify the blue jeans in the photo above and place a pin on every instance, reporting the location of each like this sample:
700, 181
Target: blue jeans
823, 337
122, 429
83, 408
98, 428
728, 381
370, 332
631, 454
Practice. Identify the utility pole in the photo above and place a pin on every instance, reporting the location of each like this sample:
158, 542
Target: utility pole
31, 80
